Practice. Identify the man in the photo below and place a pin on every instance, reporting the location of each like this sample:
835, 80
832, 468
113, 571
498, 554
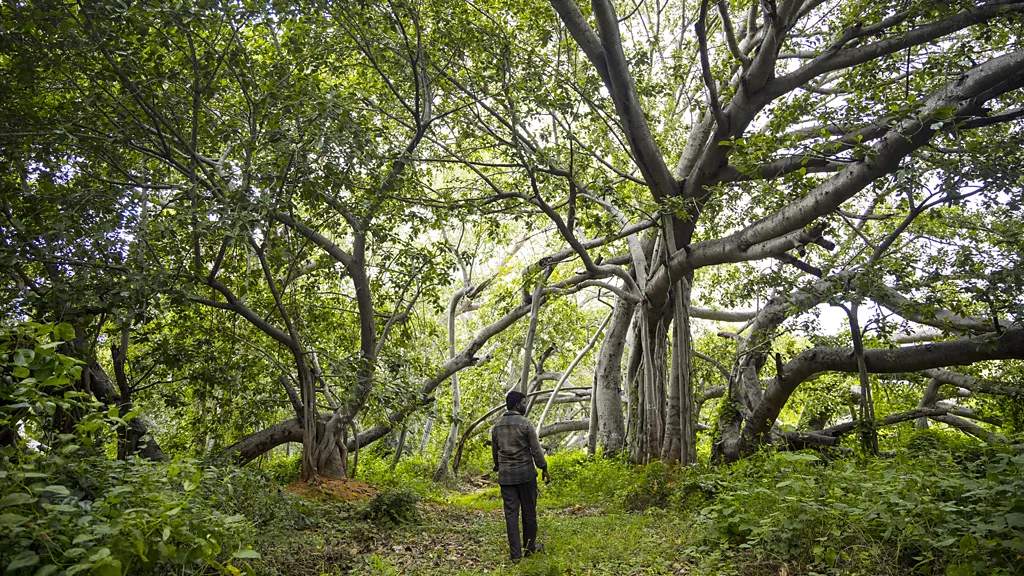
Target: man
515, 449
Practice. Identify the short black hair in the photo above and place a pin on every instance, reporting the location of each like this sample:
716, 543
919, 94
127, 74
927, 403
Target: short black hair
513, 398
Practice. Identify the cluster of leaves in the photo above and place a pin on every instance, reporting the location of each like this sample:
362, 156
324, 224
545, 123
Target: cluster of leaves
922, 512
38, 406
98, 516
392, 507
66, 508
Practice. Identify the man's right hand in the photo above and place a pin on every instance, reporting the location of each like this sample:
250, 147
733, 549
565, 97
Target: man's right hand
545, 476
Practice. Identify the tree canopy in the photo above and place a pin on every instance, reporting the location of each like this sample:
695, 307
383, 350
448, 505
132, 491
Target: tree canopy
268, 223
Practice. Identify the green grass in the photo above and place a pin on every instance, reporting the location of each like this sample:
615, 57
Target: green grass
934, 509
458, 539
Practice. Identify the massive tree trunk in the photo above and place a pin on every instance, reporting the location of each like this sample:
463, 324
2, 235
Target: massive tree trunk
611, 428
650, 429
680, 439
680, 442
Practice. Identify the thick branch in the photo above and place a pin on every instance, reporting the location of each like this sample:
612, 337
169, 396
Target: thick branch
841, 59
1008, 345
620, 84
965, 95
560, 427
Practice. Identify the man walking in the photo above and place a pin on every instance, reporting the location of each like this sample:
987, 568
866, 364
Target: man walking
515, 449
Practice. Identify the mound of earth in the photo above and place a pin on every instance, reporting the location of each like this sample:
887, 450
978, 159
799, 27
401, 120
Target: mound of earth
333, 489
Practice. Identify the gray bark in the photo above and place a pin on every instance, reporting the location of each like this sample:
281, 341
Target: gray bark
611, 428
928, 399
453, 432
1008, 345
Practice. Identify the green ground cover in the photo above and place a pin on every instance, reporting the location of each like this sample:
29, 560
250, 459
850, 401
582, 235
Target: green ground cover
933, 507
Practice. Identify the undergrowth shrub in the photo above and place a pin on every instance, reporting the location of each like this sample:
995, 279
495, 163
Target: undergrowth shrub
392, 507
412, 472
66, 508
577, 477
284, 469
924, 512
654, 488
106, 517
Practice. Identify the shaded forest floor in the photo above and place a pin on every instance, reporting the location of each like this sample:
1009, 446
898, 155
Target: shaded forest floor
463, 533
466, 536
936, 505
930, 509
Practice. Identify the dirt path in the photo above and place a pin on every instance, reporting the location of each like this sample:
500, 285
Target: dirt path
455, 539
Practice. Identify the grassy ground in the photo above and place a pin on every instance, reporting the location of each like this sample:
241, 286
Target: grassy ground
930, 510
465, 535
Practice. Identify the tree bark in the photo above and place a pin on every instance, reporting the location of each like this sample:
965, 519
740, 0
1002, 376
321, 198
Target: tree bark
453, 432
611, 428
1008, 345
928, 400
531, 331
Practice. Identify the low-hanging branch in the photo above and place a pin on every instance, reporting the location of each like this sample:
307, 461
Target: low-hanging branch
1008, 345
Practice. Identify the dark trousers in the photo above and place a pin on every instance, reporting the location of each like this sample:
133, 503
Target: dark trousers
514, 497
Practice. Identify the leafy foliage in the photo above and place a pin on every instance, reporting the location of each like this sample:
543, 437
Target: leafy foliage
392, 507
115, 517
925, 512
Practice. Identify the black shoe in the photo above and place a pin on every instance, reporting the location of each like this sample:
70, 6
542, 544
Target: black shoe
535, 550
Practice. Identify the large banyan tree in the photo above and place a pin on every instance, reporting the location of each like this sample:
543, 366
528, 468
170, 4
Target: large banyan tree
273, 163
852, 154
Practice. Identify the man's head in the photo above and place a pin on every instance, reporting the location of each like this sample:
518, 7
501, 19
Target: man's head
515, 400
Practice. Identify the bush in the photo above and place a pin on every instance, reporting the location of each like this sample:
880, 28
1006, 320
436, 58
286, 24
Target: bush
392, 507
653, 490
577, 477
413, 473
112, 517
65, 507
284, 469
924, 513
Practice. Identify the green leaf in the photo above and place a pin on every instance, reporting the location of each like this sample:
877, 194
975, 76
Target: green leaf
64, 331
16, 499
84, 537
23, 356
57, 489
100, 554
247, 554
110, 567
78, 568
1015, 519
23, 560
47, 570
9, 520
74, 552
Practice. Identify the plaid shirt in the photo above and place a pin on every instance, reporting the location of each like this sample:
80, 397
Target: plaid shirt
515, 449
